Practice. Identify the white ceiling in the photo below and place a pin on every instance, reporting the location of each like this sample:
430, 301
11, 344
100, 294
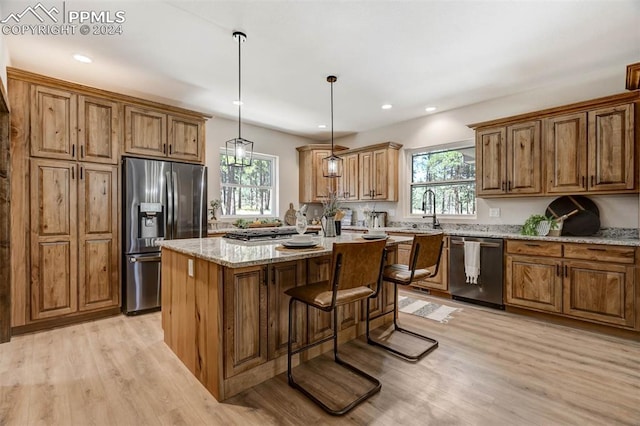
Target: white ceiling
411, 54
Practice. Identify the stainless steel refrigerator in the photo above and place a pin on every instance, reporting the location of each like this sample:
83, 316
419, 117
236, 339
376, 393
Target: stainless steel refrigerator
161, 200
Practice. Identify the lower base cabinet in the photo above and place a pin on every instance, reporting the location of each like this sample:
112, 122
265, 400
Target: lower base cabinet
589, 282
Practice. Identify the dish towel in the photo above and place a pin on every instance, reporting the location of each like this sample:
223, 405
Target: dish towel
472, 261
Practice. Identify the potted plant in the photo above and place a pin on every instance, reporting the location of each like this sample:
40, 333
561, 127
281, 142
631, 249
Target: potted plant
538, 225
215, 205
330, 208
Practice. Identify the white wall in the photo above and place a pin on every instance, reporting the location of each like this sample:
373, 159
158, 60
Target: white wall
4, 57
451, 126
266, 141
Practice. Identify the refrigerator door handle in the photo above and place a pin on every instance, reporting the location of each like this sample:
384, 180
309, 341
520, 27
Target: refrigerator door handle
170, 212
174, 231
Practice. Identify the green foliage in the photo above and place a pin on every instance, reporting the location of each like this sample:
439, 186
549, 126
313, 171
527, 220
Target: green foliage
530, 225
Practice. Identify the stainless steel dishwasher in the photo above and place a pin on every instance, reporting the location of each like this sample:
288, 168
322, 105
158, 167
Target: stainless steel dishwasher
488, 290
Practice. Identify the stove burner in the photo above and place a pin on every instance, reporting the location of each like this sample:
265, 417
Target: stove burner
263, 233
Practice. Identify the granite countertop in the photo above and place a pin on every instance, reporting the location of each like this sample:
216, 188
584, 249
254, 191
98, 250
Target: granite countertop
616, 239
235, 254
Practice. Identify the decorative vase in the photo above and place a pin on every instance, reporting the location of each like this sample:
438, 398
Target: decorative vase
329, 227
543, 228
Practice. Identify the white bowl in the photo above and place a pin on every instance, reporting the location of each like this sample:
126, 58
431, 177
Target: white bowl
301, 238
376, 231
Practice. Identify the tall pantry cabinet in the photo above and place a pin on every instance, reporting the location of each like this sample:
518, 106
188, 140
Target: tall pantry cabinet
73, 174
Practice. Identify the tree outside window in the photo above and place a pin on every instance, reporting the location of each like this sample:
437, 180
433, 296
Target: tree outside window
250, 190
451, 175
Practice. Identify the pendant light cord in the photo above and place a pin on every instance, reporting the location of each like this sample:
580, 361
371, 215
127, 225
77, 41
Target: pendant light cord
239, 88
332, 118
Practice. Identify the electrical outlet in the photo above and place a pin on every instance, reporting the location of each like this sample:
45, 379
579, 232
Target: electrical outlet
494, 212
190, 267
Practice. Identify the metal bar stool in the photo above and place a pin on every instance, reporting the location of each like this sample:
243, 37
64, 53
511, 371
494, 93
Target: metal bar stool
424, 261
356, 267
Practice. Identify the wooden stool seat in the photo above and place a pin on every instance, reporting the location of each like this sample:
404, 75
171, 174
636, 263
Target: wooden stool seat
356, 267
423, 263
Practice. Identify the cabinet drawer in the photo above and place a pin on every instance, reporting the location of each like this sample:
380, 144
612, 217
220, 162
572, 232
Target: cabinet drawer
602, 253
534, 248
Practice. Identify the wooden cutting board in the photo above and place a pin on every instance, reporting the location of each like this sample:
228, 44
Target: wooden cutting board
290, 216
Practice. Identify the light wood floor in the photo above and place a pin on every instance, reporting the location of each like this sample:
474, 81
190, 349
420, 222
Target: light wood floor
492, 368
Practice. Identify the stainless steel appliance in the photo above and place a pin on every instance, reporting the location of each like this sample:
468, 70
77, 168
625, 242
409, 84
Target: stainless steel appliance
161, 200
488, 290
258, 234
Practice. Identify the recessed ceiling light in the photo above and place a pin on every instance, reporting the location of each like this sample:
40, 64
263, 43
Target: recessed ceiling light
82, 58
237, 102
386, 106
322, 126
430, 109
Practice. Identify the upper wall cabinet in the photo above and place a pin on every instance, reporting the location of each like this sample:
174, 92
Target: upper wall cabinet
152, 132
588, 147
68, 126
369, 173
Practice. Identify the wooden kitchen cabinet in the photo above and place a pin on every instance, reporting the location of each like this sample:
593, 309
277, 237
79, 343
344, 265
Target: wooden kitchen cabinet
98, 241
509, 159
145, 131
99, 129
70, 126
587, 147
348, 183
318, 322
54, 239
378, 174
186, 138
313, 186
54, 114
534, 282
245, 324
74, 223
583, 281
611, 152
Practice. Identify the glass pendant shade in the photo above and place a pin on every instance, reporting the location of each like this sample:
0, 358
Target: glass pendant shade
332, 165
239, 152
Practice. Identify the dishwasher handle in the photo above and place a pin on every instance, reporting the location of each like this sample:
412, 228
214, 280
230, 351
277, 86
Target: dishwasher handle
461, 243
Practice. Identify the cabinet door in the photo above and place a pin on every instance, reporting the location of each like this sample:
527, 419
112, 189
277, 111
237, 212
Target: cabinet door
186, 138
534, 282
611, 149
599, 291
245, 319
145, 131
491, 155
98, 283
348, 183
365, 166
284, 276
566, 153
321, 185
53, 123
319, 322
523, 158
99, 129
380, 176
54, 251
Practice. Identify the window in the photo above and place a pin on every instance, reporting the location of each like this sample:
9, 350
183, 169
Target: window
249, 191
450, 174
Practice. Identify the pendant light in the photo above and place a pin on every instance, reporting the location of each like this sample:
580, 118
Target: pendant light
332, 165
239, 150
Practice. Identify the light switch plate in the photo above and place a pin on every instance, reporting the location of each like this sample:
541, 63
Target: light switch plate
494, 212
190, 267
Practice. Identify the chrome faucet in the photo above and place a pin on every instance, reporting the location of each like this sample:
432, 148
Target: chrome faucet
432, 201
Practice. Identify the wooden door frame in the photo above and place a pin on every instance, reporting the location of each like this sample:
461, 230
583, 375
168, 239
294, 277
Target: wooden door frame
5, 207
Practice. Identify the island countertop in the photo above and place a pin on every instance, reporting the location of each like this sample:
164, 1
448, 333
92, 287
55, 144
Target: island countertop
235, 254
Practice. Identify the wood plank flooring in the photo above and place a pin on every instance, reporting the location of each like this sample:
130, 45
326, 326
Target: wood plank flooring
492, 368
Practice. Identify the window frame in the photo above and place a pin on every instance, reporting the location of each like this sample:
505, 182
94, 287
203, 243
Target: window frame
410, 153
275, 172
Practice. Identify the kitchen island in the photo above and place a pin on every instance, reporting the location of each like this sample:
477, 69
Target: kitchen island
224, 311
